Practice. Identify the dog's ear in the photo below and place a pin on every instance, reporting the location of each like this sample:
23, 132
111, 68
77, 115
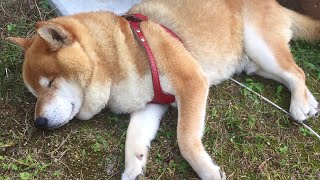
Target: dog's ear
54, 34
23, 43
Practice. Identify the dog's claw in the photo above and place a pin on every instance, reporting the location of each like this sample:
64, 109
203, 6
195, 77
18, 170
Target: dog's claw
223, 175
306, 122
140, 177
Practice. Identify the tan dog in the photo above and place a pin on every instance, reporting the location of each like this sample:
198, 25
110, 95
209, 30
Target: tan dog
80, 64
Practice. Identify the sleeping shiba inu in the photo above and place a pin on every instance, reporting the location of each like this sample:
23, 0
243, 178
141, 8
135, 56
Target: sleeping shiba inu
78, 65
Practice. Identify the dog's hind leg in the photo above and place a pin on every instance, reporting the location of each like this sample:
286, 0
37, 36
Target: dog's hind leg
272, 54
142, 129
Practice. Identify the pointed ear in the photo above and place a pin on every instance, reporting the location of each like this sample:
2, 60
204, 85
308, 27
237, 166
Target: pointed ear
54, 34
23, 43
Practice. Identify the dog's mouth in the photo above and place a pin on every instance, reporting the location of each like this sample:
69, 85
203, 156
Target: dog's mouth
73, 111
72, 115
57, 126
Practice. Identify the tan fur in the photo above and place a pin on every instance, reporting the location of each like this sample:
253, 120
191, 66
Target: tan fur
97, 55
24, 43
304, 27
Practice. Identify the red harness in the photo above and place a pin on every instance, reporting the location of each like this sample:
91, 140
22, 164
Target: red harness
159, 96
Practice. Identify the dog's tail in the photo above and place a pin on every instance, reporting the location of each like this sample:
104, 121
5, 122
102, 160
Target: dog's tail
303, 27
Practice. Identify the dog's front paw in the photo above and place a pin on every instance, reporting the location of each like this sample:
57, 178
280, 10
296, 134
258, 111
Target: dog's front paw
314, 105
215, 174
219, 175
135, 166
299, 111
131, 176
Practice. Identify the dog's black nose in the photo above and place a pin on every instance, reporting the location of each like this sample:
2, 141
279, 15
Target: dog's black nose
41, 122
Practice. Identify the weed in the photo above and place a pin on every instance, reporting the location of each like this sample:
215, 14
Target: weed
307, 57
57, 173
283, 149
255, 86
25, 176
213, 113
11, 27
252, 121
279, 93
28, 168
183, 166
100, 144
4, 178
6, 145
83, 153
159, 158
304, 131
170, 134
283, 162
96, 147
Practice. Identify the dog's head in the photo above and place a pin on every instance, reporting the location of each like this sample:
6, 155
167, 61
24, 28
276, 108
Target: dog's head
56, 70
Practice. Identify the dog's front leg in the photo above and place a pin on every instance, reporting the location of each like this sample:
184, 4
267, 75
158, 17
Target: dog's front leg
191, 102
142, 129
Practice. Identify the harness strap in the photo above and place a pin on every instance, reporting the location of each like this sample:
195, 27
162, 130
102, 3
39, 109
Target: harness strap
159, 96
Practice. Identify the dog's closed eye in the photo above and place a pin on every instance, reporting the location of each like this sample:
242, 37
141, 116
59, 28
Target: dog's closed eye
50, 83
45, 82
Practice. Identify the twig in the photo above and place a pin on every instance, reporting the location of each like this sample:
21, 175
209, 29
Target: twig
111, 176
22, 163
232, 174
35, 2
66, 166
261, 166
62, 143
7, 74
27, 128
119, 142
275, 105
5, 12
21, 11
63, 153
7, 145
161, 174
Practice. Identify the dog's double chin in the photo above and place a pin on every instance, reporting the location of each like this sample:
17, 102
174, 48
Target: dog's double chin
83, 115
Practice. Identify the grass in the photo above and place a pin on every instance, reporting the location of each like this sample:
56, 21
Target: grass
247, 137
